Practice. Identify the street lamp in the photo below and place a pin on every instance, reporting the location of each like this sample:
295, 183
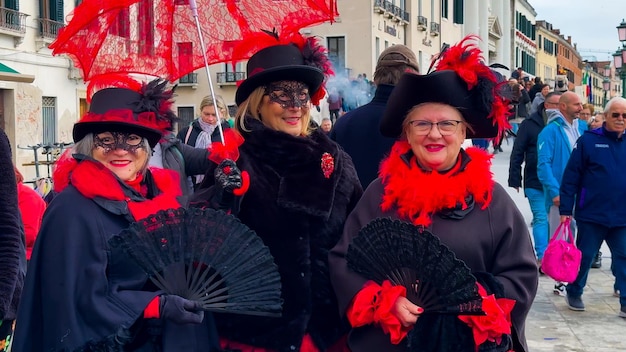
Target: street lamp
606, 86
606, 82
619, 57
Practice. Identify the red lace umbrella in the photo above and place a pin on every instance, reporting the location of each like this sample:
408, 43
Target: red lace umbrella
160, 37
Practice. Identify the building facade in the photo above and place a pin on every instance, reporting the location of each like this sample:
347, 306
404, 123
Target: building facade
44, 96
524, 43
569, 62
546, 52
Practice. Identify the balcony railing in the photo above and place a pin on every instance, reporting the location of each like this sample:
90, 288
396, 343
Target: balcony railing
422, 23
12, 20
379, 6
230, 77
190, 78
49, 29
434, 29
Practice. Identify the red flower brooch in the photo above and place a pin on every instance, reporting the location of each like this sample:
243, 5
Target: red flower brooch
496, 321
328, 164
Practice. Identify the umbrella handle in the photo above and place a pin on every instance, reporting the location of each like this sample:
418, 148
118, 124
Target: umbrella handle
194, 10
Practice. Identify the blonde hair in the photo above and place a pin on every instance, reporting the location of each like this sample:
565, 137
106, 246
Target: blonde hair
589, 107
221, 105
251, 107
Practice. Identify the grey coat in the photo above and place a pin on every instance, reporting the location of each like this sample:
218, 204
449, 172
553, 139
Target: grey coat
493, 240
184, 159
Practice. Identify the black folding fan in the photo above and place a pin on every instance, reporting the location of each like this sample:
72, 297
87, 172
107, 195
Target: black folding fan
206, 256
413, 257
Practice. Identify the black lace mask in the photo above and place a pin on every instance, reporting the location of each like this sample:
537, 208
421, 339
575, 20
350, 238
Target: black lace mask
288, 94
109, 141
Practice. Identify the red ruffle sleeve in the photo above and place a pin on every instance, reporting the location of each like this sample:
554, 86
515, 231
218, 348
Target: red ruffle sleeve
374, 304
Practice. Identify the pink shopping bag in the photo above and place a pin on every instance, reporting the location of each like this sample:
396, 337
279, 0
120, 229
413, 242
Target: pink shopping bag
561, 260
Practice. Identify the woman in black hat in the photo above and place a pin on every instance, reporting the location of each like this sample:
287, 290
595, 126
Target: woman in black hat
430, 181
302, 187
81, 294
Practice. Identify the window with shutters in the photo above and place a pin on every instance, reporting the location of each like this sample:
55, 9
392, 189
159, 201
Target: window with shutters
51, 17
49, 119
186, 116
10, 17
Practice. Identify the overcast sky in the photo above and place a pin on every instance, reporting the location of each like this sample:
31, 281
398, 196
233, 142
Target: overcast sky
591, 23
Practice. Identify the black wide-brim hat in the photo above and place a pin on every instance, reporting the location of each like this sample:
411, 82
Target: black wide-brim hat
444, 87
118, 110
278, 63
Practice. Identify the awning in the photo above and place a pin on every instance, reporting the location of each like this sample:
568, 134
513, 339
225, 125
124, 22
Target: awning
11, 75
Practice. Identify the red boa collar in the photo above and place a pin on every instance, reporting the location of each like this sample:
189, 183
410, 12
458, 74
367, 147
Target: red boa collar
418, 194
92, 179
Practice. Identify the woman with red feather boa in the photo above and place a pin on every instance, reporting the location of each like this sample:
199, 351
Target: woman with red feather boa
80, 293
430, 181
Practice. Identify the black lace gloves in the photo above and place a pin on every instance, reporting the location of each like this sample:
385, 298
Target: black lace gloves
228, 179
180, 310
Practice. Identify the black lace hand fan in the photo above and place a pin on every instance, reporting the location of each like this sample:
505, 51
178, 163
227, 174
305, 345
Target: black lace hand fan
410, 256
206, 256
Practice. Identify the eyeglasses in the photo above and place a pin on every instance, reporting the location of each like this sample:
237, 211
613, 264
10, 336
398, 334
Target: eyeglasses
446, 127
616, 115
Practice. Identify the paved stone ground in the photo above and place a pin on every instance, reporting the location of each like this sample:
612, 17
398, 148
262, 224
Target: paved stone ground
551, 326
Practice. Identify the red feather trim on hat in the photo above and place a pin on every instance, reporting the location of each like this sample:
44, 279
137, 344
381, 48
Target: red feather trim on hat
466, 59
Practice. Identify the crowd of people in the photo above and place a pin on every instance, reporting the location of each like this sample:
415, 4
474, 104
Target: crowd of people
570, 156
307, 190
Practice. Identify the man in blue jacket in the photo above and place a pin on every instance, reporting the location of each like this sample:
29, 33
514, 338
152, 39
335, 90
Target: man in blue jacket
594, 189
554, 146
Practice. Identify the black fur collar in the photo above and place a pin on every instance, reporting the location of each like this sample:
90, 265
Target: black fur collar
298, 163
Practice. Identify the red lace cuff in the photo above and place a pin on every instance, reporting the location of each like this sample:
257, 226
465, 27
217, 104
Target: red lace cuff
152, 309
496, 321
374, 304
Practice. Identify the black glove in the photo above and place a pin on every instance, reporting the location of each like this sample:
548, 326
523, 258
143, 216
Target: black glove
180, 310
227, 178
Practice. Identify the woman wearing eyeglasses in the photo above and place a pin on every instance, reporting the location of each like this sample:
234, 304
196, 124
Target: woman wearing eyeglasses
430, 181
302, 188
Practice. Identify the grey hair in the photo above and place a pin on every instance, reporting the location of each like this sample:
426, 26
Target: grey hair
86, 146
608, 106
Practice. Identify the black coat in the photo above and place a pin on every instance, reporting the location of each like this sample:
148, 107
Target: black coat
195, 131
358, 133
525, 151
299, 214
83, 295
12, 249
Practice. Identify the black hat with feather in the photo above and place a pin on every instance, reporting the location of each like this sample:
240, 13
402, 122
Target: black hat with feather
297, 58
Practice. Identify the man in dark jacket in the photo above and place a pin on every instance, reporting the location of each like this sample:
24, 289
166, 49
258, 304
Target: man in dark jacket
594, 189
357, 132
525, 151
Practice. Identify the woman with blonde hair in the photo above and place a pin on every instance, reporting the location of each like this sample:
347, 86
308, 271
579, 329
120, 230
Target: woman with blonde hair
302, 187
203, 131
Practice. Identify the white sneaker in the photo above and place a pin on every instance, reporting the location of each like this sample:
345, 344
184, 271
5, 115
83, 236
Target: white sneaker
559, 289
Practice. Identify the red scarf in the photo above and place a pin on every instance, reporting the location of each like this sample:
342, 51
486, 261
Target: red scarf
419, 194
92, 179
